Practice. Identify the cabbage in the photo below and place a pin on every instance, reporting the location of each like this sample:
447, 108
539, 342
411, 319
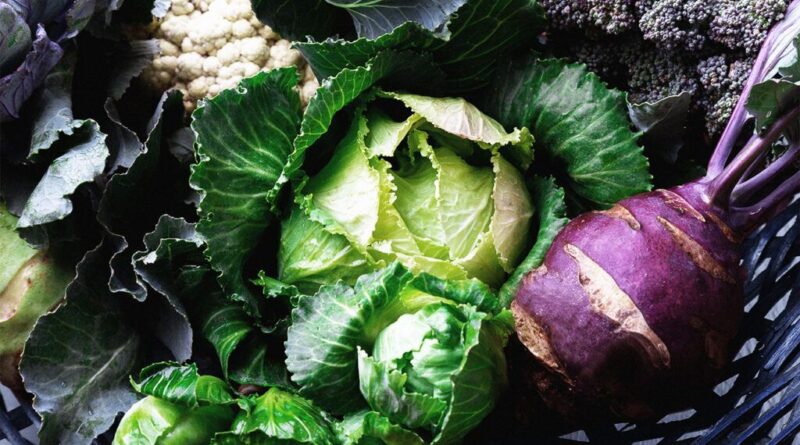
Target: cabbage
422, 353
436, 191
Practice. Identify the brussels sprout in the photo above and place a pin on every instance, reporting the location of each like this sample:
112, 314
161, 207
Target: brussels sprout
31, 283
436, 191
424, 353
153, 421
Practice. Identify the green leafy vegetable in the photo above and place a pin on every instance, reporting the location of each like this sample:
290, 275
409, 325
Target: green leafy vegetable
278, 416
578, 124
432, 190
181, 407
418, 349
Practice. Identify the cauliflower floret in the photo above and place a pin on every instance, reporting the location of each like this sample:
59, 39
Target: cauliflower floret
210, 45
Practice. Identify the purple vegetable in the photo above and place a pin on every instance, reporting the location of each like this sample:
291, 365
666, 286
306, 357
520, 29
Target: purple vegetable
634, 309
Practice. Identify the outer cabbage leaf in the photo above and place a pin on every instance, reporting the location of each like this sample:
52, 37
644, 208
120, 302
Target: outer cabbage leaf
295, 20
52, 118
182, 385
244, 137
133, 200
552, 210
173, 264
577, 121
466, 53
374, 18
82, 163
89, 347
339, 91
364, 426
278, 414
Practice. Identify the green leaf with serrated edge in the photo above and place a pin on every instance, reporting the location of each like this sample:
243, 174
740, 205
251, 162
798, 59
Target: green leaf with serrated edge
663, 124
551, 209
384, 389
325, 331
89, 347
174, 265
480, 378
481, 31
576, 120
81, 164
244, 137
337, 92
182, 385
279, 414
363, 426
298, 19
127, 193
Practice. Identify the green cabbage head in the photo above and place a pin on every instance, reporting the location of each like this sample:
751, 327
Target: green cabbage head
423, 354
430, 182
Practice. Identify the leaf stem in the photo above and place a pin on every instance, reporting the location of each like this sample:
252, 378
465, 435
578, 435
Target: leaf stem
723, 184
748, 217
747, 188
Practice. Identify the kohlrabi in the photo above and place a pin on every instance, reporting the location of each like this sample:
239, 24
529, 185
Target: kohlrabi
31, 283
634, 309
180, 408
423, 352
438, 188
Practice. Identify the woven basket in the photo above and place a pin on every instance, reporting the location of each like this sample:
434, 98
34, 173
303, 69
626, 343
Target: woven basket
757, 402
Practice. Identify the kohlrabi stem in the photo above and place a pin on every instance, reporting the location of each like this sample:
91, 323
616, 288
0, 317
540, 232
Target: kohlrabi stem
777, 43
722, 185
751, 216
746, 189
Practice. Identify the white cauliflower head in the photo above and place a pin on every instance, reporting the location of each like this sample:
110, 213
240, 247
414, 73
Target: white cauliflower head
210, 45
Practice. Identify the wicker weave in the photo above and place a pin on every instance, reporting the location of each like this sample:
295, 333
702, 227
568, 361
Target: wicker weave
758, 401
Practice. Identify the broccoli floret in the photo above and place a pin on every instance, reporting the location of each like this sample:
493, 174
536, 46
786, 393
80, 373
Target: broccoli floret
608, 16
613, 16
743, 24
654, 74
567, 14
675, 24
722, 82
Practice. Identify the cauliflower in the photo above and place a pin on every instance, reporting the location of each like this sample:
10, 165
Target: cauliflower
210, 45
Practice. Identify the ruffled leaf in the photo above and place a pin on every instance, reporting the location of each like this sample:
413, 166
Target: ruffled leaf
577, 121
